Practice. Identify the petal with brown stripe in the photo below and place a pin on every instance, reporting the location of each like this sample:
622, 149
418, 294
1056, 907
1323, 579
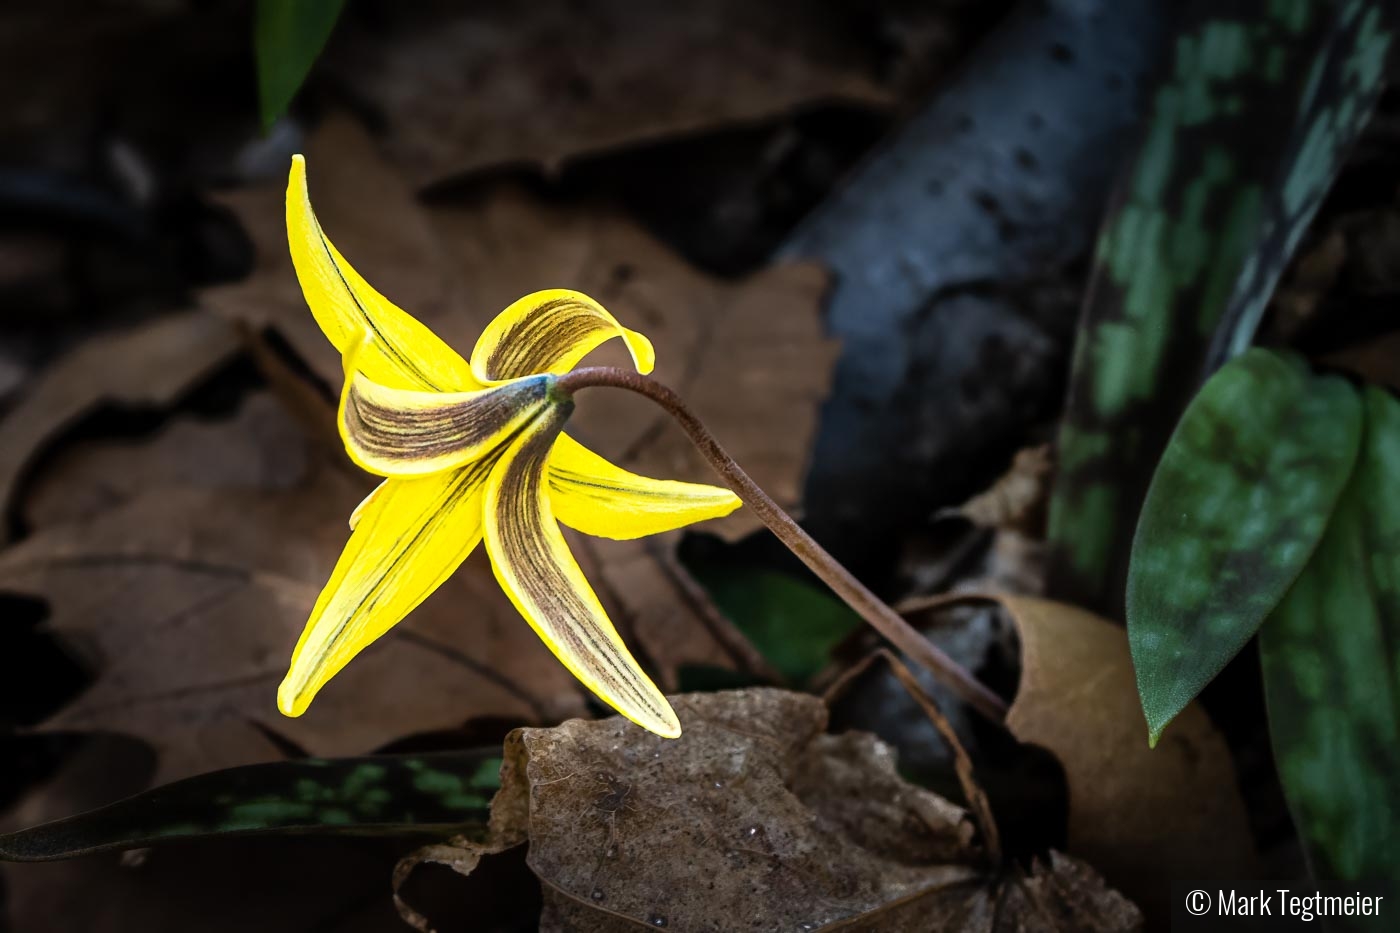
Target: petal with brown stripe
403, 352
549, 332
405, 432
410, 536
533, 565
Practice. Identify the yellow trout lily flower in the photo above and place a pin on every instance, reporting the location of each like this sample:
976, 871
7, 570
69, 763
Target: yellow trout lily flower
473, 450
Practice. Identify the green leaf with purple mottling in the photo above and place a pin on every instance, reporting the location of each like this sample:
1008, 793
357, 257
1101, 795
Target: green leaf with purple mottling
1246, 131
442, 793
1331, 659
1240, 498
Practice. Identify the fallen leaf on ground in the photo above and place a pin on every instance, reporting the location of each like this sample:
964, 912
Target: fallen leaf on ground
146, 366
259, 447
450, 86
756, 813
1138, 814
1018, 498
186, 603
749, 356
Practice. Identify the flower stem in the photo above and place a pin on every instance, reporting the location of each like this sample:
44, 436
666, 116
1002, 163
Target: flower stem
881, 617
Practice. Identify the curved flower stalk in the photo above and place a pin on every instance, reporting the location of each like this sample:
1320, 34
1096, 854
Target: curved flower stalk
473, 450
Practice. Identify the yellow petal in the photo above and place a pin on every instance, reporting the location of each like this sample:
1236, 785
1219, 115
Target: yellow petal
402, 353
591, 495
406, 432
410, 537
549, 332
365, 503
534, 567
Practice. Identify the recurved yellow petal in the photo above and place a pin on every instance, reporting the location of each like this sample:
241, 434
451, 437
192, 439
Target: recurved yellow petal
402, 352
549, 332
533, 565
365, 503
410, 536
408, 432
592, 495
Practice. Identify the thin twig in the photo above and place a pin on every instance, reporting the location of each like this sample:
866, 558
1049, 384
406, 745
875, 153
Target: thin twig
870, 607
977, 801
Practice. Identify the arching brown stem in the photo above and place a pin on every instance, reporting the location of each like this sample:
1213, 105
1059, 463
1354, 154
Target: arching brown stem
871, 608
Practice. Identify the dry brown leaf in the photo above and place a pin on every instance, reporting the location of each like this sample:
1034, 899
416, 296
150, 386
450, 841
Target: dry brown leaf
186, 603
259, 447
453, 82
150, 365
1138, 814
1017, 499
750, 356
757, 819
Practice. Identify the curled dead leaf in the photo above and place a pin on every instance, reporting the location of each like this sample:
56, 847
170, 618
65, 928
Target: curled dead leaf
1140, 815
756, 818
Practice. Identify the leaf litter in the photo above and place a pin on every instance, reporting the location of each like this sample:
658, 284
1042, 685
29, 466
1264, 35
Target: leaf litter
146, 366
1136, 814
180, 566
185, 602
451, 90
894, 854
757, 817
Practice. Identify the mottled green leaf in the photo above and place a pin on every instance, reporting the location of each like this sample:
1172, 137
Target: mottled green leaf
288, 35
1331, 657
1240, 499
793, 625
1260, 103
389, 794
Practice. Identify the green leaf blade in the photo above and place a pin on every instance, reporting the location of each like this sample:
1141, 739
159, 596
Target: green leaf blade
1246, 131
288, 35
794, 626
1239, 501
392, 795
1331, 662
